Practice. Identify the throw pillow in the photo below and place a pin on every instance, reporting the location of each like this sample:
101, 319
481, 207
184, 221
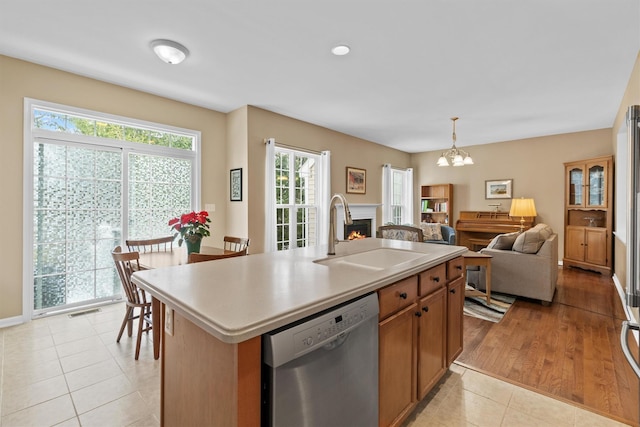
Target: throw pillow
530, 241
431, 231
504, 241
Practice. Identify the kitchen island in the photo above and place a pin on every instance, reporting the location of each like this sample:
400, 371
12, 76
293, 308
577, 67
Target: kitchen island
211, 346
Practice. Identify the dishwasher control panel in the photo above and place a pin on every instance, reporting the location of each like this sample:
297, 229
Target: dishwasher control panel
302, 337
329, 329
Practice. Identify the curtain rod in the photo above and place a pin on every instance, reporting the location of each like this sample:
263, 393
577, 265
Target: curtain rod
291, 147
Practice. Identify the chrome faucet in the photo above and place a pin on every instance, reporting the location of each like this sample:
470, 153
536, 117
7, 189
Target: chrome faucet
333, 233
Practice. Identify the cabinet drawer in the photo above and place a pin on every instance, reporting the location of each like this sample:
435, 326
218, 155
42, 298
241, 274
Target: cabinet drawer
455, 268
432, 279
397, 296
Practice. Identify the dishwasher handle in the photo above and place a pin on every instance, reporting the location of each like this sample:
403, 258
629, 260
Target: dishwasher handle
624, 342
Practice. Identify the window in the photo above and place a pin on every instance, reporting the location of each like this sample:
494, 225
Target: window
95, 181
296, 200
397, 195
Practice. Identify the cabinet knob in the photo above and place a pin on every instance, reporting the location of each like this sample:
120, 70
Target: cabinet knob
425, 309
403, 295
436, 279
458, 267
418, 314
453, 291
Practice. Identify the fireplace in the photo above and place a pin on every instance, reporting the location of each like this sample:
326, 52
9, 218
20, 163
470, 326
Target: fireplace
359, 212
360, 229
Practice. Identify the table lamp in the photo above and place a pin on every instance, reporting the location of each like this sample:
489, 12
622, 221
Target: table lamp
522, 207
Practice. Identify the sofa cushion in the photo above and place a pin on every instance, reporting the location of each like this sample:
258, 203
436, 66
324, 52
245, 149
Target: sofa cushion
532, 240
504, 241
400, 235
431, 231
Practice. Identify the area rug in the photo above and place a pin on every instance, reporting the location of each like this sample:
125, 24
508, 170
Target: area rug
477, 306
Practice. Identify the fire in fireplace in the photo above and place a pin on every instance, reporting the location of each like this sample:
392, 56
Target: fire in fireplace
360, 229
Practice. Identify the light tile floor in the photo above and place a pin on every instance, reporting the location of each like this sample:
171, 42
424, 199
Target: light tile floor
69, 371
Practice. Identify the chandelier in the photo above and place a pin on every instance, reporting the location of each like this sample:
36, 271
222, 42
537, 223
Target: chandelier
455, 155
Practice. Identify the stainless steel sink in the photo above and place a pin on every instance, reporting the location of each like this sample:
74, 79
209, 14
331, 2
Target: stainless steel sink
377, 259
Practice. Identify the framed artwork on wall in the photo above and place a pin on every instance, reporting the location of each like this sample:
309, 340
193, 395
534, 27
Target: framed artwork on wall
235, 185
499, 189
356, 180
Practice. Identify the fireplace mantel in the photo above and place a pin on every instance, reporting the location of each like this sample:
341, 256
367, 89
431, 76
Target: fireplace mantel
358, 211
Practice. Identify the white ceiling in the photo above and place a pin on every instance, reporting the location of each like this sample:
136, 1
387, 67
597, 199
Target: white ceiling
509, 69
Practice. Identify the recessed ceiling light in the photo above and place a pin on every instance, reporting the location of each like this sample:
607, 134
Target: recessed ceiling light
340, 50
169, 51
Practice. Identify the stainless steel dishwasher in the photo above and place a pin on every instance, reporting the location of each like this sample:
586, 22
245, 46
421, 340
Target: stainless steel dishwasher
323, 370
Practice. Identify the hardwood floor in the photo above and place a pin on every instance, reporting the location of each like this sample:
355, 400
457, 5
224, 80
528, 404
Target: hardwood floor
569, 350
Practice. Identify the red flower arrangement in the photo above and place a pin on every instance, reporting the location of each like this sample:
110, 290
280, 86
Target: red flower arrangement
192, 226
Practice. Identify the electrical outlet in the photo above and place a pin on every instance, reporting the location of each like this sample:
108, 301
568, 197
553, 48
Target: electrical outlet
168, 320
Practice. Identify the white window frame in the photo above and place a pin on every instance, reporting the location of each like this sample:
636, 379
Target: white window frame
387, 194
32, 135
322, 193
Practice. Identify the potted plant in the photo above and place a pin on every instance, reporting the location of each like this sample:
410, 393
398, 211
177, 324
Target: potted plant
192, 227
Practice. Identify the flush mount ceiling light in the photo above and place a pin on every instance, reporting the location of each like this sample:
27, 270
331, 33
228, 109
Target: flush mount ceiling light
457, 156
169, 51
340, 50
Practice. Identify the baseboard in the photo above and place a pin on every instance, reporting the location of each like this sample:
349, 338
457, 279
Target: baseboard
11, 321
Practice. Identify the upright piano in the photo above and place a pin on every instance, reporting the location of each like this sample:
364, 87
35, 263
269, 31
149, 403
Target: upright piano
476, 229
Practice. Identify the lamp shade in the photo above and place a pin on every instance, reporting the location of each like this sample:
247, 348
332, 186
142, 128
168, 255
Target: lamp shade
522, 207
169, 51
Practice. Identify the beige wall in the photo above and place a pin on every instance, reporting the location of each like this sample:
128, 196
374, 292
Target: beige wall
535, 165
237, 157
345, 151
20, 79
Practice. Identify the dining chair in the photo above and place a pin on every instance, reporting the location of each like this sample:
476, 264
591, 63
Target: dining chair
236, 244
151, 245
126, 264
196, 257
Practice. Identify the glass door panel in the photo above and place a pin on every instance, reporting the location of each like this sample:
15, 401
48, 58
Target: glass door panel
575, 186
596, 185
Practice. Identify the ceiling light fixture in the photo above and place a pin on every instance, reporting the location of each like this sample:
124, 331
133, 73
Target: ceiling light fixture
457, 156
169, 51
340, 50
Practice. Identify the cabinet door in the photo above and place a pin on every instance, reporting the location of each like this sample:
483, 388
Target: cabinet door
397, 365
575, 186
431, 341
574, 243
595, 246
596, 185
455, 308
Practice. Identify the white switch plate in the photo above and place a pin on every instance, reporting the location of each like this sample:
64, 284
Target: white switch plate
210, 207
168, 320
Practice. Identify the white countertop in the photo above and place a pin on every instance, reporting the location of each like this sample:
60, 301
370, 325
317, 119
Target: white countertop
240, 298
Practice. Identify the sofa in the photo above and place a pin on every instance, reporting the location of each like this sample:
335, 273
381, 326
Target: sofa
522, 264
424, 232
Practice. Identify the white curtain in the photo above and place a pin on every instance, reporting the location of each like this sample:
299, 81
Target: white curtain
387, 192
324, 197
407, 211
270, 196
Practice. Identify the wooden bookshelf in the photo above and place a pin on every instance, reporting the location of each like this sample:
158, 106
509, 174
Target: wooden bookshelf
436, 203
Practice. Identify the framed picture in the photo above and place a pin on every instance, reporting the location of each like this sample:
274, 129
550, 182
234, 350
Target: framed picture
499, 189
235, 185
356, 180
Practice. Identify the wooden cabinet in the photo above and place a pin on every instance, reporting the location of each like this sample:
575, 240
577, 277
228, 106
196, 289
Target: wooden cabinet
436, 203
431, 340
589, 214
416, 324
455, 308
396, 341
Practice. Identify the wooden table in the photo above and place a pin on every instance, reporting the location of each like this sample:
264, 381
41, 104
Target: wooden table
482, 260
152, 260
